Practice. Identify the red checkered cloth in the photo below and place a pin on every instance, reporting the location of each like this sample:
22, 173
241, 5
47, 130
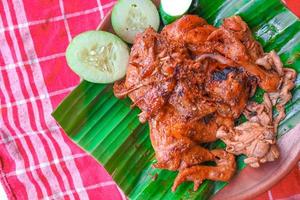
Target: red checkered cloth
38, 161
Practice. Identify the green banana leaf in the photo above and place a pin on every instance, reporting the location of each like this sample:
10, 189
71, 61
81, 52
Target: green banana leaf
109, 130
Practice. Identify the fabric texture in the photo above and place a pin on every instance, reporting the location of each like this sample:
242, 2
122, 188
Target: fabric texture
38, 161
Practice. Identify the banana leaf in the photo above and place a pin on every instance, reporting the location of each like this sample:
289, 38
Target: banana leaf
109, 130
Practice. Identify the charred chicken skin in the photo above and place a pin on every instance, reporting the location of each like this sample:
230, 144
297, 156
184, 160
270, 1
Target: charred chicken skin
191, 82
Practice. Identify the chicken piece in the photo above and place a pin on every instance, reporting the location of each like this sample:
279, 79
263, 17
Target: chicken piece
256, 137
149, 78
230, 86
198, 35
223, 171
178, 30
241, 31
234, 41
193, 31
175, 140
229, 46
283, 95
196, 40
260, 113
188, 99
269, 61
268, 80
225, 42
199, 130
265, 61
257, 142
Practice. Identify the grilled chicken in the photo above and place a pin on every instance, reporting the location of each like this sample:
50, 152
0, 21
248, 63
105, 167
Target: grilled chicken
192, 81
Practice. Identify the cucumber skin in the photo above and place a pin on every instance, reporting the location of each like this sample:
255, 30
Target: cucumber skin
167, 19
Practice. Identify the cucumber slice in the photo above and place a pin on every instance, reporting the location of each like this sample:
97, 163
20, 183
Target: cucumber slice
130, 17
170, 10
98, 56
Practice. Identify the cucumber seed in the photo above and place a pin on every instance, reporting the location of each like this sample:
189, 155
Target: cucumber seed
136, 20
101, 57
